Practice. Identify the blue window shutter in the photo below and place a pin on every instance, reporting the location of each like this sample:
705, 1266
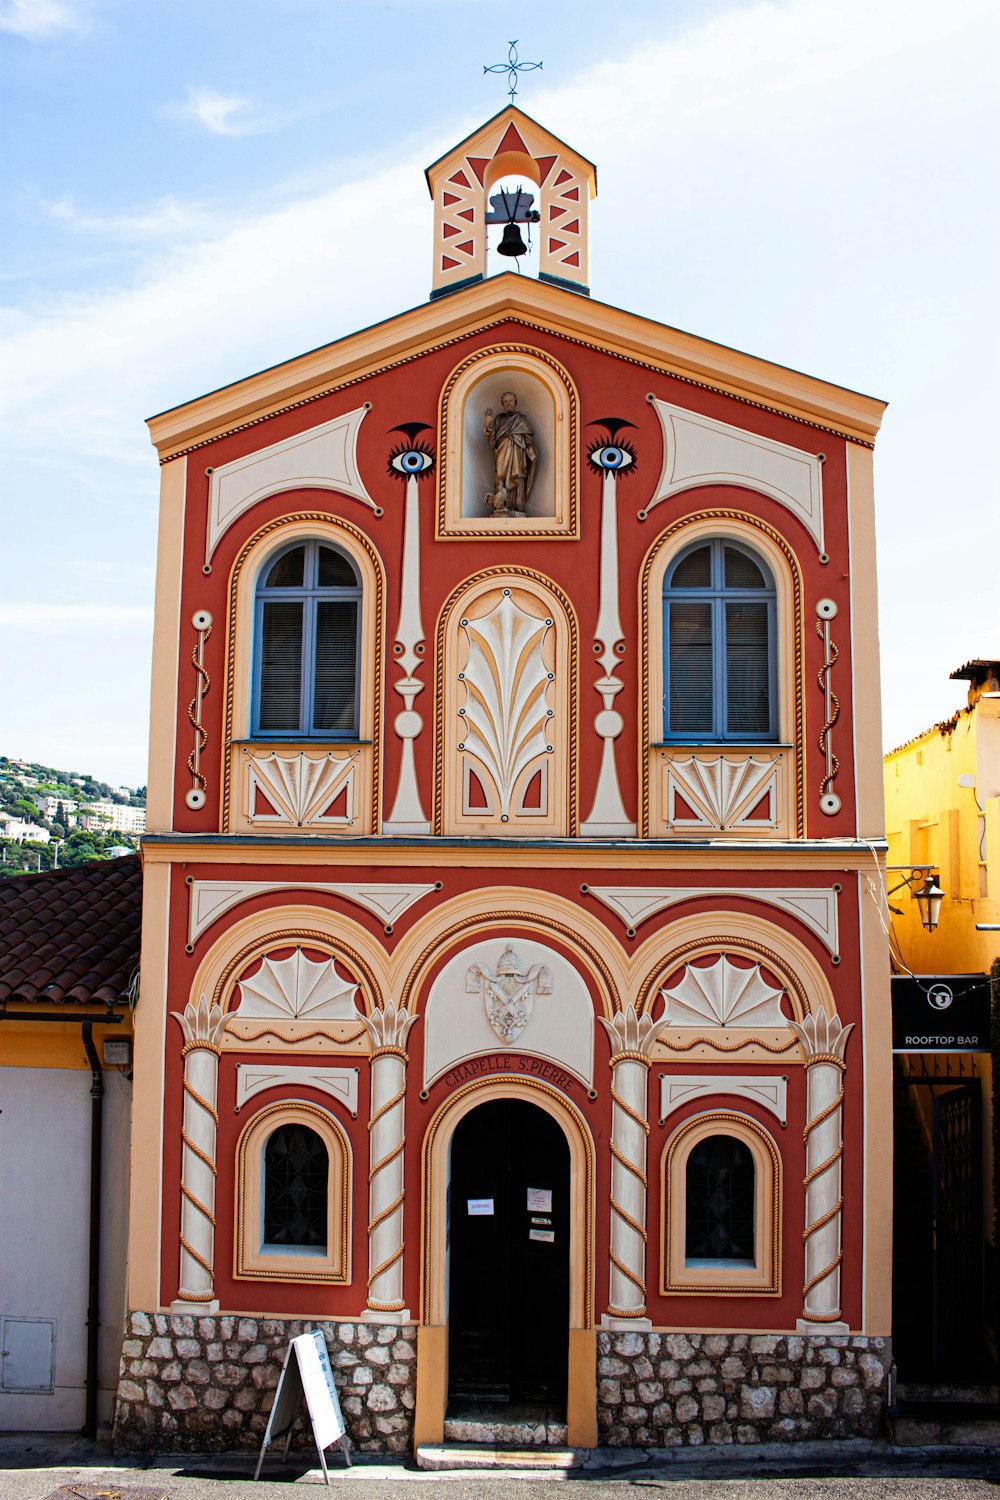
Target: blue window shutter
307, 625
280, 701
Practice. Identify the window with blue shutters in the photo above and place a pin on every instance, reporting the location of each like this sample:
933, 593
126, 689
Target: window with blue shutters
306, 654
719, 646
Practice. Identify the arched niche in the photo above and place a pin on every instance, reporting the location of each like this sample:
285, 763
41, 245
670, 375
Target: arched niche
547, 397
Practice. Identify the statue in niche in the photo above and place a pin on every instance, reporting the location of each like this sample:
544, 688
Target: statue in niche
515, 458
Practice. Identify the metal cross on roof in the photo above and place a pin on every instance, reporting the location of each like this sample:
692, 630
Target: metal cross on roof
512, 67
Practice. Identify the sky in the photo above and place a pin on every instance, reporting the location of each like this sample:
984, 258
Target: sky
194, 190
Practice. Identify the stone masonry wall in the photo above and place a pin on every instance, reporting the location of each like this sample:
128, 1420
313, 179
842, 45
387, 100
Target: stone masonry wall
666, 1389
191, 1384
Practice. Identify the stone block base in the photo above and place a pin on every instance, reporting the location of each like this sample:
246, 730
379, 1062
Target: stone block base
196, 1384
661, 1390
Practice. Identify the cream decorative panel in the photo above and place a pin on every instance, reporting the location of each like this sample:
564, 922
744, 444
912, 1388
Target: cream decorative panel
564, 229
522, 995
211, 899
716, 790
682, 1088
339, 1083
296, 988
506, 721
283, 789
506, 708
323, 457
699, 450
816, 907
723, 994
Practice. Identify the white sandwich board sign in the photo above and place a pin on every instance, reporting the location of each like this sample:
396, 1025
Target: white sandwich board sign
307, 1372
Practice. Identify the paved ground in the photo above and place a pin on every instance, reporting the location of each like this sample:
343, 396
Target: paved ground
39, 1468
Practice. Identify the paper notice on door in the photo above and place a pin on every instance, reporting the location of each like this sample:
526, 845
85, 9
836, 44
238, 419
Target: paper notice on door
547, 1235
539, 1200
480, 1208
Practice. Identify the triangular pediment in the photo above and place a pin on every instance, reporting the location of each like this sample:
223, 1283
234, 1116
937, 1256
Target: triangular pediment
511, 130
489, 303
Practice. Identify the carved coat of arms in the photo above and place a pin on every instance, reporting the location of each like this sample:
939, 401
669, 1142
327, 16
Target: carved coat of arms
509, 994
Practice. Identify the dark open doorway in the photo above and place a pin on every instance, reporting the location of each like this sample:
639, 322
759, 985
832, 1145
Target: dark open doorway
509, 1257
939, 1305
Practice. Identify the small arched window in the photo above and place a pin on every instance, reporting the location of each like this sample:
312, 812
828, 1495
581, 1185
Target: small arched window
296, 1169
719, 645
306, 631
293, 1196
720, 1209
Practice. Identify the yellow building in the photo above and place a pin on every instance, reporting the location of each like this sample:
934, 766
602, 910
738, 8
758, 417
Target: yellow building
942, 796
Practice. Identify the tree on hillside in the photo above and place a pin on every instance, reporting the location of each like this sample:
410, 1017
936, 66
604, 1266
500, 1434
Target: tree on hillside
81, 846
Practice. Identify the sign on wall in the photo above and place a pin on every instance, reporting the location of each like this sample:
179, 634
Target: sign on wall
940, 1013
307, 1372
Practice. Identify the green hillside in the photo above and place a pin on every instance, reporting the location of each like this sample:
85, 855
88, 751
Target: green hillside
21, 782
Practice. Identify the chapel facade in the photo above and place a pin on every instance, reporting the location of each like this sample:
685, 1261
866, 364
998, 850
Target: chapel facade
513, 1004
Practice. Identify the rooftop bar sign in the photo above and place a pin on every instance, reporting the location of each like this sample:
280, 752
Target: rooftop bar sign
940, 1013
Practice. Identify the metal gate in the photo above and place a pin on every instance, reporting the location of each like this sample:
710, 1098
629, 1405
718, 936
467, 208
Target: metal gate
957, 1290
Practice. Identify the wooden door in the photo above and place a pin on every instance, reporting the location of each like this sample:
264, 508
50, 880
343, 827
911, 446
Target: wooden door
509, 1256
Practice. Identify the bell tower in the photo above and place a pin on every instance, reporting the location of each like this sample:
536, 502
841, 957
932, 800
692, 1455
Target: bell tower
460, 182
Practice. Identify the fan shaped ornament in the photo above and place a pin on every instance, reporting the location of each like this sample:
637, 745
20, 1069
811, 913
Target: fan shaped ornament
723, 994
297, 988
509, 993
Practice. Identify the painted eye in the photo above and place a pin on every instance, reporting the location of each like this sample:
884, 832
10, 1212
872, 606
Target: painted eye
407, 461
611, 456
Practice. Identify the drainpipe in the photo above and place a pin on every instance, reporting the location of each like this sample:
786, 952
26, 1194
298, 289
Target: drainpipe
94, 1278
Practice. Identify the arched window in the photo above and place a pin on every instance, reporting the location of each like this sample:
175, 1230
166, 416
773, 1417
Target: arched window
721, 1207
306, 633
719, 645
296, 1170
720, 1203
293, 1196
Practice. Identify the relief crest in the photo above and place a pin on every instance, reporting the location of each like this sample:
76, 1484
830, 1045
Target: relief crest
509, 993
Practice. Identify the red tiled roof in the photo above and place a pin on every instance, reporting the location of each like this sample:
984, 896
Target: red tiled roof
71, 935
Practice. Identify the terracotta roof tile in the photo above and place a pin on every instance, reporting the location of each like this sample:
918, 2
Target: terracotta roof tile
71, 935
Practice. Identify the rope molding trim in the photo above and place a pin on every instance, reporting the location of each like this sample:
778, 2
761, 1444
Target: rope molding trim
520, 322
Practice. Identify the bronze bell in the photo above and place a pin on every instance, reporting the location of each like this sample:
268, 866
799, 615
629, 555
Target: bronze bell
511, 243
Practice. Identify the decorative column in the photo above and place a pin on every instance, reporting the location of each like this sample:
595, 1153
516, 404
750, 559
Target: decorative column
824, 1041
202, 1026
407, 816
632, 1039
387, 1030
608, 818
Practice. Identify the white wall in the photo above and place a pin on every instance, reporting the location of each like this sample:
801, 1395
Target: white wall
45, 1232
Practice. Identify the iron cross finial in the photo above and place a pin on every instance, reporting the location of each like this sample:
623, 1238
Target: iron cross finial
512, 67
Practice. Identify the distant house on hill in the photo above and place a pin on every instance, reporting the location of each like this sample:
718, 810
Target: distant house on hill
21, 831
113, 817
69, 952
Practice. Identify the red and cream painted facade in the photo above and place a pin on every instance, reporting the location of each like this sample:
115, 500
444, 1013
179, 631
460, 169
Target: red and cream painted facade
312, 911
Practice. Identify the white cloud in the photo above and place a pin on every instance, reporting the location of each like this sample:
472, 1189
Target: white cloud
767, 178
37, 20
221, 114
164, 217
